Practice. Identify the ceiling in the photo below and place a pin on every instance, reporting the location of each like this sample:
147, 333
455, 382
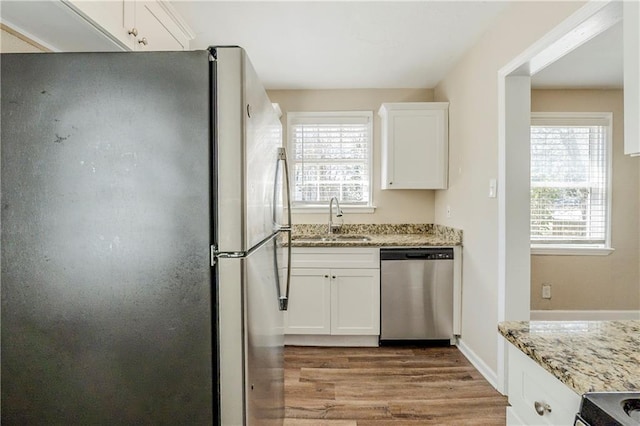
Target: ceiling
349, 44
374, 44
343, 44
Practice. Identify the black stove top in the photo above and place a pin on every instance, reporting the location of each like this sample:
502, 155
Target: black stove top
611, 408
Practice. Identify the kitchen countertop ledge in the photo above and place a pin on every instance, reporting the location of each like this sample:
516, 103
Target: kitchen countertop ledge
381, 235
587, 356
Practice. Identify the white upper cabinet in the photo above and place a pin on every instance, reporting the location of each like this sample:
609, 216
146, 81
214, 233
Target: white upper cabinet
631, 39
114, 18
136, 25
415, 145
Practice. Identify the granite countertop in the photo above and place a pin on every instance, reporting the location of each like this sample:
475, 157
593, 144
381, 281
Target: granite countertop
380, 235
587, 356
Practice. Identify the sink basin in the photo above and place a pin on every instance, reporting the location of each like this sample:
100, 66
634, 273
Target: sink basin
333, 238
351, 238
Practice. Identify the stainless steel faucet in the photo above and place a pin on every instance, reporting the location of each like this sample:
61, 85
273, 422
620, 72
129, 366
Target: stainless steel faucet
338, 214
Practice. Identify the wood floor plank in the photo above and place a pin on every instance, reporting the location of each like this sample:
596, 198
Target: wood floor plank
330, 409
387, 386
316, 422
389, 374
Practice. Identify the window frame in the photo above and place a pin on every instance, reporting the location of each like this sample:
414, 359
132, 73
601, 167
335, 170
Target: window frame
577, 119
344, 115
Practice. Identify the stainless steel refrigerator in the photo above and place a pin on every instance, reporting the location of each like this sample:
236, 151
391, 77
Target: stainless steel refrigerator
144, 256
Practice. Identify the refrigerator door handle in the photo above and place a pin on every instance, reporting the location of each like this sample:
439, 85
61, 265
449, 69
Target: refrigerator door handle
215, 254
284, 300
282, 157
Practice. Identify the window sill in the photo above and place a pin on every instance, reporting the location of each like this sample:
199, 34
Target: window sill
571, 251
325, 209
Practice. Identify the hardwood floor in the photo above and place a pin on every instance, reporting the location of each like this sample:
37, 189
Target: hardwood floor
387, 386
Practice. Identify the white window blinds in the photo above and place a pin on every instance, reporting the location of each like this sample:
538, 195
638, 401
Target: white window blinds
570, 179
331, 157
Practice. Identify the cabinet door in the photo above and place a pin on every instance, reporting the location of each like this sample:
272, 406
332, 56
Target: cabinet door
309, 302
355, 301
415, 146
530, 384
135, 24
155, 28
631, 37
116, 17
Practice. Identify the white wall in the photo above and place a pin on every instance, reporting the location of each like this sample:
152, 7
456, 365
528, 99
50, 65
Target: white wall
471, 87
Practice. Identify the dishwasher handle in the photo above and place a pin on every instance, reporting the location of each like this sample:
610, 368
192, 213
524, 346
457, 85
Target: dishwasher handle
418, 255
431, 253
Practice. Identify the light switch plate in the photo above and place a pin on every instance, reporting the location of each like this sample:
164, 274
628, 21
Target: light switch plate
493, 184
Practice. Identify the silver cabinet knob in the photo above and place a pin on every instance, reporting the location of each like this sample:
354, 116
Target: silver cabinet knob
542, 408
133, 31
143, 41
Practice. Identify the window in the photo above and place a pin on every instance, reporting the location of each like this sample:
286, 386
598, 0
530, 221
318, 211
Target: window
331, 157
570, 181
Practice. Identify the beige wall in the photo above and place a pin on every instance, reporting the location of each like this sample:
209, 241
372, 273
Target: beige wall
393, 206
595, 282
13, 42
471, 87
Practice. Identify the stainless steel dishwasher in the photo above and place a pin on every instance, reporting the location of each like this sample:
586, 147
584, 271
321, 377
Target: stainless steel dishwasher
416, 298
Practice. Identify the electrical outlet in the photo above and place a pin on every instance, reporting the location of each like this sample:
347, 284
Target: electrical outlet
546, 291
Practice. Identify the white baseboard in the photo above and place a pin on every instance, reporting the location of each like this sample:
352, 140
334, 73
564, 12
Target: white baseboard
557, 315
479, 364
327, 340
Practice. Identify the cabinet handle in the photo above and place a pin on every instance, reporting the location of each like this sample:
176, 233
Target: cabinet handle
143, 41
133, 31
333, 277
390, 183
541, 408
326, 276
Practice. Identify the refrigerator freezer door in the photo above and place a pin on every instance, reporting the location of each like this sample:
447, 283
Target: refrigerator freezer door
106, 279
249, 135
264, 203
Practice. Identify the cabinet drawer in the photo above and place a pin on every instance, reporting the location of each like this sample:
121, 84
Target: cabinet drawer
530, 383
332, 257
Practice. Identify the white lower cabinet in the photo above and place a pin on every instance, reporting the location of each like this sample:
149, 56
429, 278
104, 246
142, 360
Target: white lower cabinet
309, 310
355, 301
535, 395
336, 301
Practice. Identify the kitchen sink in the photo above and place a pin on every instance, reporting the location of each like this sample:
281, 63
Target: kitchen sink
332, 238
